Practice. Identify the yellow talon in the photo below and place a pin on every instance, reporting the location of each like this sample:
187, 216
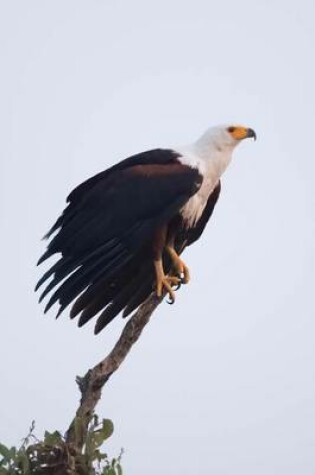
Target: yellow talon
165, 283
179, 265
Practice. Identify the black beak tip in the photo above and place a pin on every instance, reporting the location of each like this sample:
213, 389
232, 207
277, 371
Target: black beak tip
252, 133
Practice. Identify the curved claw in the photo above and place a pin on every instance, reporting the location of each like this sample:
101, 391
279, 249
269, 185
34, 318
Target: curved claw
165, 286
178, 286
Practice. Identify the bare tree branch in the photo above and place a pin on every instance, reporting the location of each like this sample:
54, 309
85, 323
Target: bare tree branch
92, 382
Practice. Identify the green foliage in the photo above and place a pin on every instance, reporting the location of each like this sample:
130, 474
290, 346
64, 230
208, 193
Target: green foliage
53, 456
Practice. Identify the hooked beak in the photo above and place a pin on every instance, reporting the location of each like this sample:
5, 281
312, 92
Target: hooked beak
251, 133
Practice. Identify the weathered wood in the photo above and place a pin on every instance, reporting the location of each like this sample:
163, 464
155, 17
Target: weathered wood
92, 382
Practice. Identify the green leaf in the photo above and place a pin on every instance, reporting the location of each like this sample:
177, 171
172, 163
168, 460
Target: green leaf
99, 456
109, 471
100, 435
107, 428
13, 452
5, 452
97, 439
52, 438
23, 461
119, 469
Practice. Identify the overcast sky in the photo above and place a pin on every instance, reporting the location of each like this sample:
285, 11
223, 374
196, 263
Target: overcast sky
222, 382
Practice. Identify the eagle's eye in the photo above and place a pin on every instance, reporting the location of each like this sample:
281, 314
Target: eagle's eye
231, 129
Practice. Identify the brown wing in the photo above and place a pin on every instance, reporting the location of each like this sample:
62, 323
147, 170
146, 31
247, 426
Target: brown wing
138, 285
108, 224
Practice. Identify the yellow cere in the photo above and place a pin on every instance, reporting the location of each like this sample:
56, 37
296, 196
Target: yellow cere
239, 133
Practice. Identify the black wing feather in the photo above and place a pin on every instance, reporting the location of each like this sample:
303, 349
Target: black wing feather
140, 288
109, 220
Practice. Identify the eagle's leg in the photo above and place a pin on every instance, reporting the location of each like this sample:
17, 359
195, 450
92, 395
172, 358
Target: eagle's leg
179, 265
164, 283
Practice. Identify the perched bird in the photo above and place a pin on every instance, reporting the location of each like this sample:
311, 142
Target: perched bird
123, 230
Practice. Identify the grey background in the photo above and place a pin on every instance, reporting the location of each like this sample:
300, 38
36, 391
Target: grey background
223, 381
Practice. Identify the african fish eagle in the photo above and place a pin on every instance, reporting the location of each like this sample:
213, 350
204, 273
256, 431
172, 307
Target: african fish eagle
123, 230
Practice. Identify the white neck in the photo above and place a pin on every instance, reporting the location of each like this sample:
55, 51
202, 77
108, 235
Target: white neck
211, 157
207, 154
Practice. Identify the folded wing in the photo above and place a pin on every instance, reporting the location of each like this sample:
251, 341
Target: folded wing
104, 234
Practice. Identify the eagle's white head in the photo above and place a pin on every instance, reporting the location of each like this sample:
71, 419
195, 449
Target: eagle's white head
213, 150
210, 154
224, 137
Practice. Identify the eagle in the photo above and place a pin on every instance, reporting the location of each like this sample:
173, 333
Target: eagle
123, 231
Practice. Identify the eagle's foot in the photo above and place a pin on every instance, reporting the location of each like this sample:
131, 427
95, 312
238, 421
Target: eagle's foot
180, 267
165, 284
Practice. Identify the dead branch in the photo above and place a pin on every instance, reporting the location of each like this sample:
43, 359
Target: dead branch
92, 382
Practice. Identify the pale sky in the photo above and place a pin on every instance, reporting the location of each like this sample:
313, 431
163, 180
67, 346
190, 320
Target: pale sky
222, 382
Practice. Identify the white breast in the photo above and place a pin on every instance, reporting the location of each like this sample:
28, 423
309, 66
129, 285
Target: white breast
195, 206
211, 167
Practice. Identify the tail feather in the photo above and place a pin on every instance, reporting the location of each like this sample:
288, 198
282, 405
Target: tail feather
82, 278
62, 263
95, 299
118, 303
85, 265
140, 296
